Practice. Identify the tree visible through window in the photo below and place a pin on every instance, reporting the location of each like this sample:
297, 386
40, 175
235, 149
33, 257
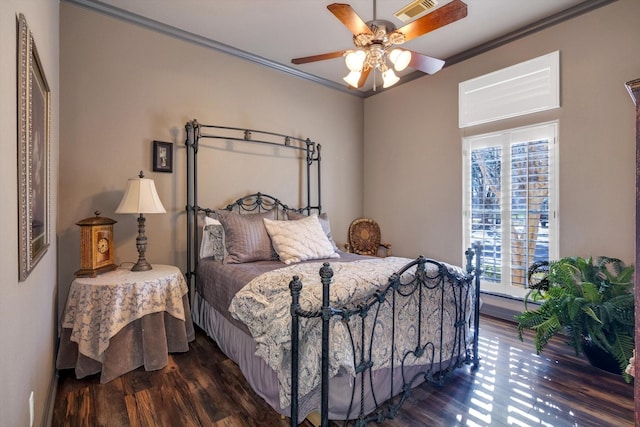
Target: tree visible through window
510, 203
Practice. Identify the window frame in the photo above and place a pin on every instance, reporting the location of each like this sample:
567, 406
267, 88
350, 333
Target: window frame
505, 138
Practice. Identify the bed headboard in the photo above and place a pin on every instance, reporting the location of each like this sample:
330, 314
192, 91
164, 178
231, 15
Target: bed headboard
259, 202
256, 202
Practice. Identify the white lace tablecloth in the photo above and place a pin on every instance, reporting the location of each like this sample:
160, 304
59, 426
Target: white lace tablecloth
98, 308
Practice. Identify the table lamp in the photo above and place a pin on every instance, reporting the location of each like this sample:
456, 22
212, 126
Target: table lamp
140, 197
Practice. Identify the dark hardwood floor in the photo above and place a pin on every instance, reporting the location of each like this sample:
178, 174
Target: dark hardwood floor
512, 387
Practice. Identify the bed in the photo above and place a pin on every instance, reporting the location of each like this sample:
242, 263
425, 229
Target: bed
301, 317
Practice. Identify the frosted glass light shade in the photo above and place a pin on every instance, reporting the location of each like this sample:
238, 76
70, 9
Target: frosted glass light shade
389, 78
355, 60
400, 58
140, 197
353, 78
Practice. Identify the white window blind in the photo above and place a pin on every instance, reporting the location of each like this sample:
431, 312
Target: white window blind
524, 88
510, 203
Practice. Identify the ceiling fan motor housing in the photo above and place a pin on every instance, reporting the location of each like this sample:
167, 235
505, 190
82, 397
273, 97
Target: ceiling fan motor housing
383, 32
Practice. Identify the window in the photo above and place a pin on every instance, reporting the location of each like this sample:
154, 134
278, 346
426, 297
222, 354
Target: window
523, 88
510, 198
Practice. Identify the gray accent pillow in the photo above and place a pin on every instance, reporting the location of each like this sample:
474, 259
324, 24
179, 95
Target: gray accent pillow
246, 237
324, 222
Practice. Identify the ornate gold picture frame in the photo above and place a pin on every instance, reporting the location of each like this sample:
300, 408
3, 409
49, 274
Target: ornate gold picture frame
34, 111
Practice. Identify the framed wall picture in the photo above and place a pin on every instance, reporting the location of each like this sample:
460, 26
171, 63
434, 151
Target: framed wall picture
162, 156
34, 111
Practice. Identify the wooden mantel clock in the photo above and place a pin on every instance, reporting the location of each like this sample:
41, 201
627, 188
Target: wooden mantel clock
96, 246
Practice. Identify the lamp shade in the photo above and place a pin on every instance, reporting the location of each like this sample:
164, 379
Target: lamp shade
400, 58
389, 78
353, 78
355, 60
140, 197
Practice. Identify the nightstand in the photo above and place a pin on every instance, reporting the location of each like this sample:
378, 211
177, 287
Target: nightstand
121, 320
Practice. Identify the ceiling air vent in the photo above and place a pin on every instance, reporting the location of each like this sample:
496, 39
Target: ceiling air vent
415, 9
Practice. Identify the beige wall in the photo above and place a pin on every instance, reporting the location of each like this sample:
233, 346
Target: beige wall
124, 86
413, 151
27, 309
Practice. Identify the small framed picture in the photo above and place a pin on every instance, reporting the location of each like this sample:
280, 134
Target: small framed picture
162, 156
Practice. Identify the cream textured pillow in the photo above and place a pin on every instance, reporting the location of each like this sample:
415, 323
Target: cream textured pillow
299, 240
324, 222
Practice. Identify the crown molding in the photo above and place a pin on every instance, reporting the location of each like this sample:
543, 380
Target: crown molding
187, 36
112, 11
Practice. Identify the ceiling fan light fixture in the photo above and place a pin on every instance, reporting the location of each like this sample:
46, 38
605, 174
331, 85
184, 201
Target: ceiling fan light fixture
389, 78
353, 78
400, 58
355, 60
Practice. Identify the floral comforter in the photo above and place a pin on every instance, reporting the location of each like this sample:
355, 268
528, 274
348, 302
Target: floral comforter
264, 306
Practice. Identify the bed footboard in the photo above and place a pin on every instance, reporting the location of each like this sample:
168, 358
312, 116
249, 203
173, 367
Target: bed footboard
420, 326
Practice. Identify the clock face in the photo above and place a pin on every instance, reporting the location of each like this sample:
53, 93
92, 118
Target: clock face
103, 245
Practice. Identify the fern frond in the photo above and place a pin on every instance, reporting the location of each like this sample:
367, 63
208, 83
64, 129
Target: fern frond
528, 320
590, 292
622, 350
544, 332
592, 314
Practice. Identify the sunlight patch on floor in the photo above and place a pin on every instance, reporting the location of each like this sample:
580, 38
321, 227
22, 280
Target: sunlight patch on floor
526, 407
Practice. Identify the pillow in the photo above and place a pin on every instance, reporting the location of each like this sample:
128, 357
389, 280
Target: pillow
245, 237
299, 240
212, 244
324, 222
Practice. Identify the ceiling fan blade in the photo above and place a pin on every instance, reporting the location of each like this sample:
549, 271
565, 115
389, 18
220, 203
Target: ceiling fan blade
445, 15
363, 77
314, 58
349, 18
425, 63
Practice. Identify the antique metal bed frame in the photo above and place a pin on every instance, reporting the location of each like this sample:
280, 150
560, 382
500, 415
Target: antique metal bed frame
194, 131
445, 283
441, 365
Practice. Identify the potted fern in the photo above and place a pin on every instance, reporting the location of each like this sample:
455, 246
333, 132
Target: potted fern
590, 300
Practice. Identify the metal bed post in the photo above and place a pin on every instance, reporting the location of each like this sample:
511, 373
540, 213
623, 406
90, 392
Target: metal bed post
295, 287
195, 208
475, 250
189, 146
326, 273
309, 162
313, 155
477, 247
191, 143
319, 181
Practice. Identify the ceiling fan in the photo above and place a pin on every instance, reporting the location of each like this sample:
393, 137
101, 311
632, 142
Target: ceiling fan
375, 41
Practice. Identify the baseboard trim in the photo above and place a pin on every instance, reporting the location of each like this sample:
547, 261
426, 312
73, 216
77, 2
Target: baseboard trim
501, 307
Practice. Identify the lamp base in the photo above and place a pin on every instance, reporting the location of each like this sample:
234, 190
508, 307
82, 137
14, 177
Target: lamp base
141, 244
141, 265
